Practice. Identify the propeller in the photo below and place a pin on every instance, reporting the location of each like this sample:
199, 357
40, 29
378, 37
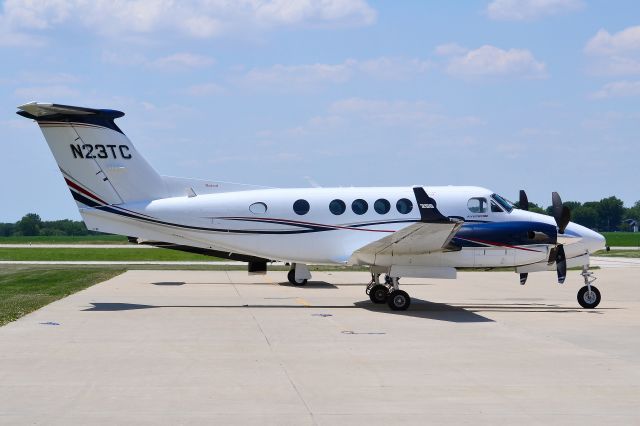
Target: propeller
523, 202
562, 215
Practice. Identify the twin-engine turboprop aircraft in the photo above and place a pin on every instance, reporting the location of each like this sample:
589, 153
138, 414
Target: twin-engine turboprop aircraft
418, 231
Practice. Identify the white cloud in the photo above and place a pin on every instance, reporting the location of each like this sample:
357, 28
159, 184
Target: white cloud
416, 114
615, 54
450, 49
388, 68
206, 89
297, 76
182, 60
173, 62
195, 18
309, 76
620, 43
618, 89
522, 10
491, 61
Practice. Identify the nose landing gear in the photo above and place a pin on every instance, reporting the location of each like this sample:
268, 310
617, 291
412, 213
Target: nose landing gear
589, 295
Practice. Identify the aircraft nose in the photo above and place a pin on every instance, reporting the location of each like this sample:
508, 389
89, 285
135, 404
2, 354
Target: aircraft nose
593, 240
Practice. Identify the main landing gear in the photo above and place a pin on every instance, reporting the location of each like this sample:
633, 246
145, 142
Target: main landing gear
589, 295
388, 292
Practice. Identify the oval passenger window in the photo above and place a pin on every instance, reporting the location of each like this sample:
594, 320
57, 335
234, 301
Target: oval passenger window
382, 206
258, 208
359, 206
404, 206
337, 207
301, 207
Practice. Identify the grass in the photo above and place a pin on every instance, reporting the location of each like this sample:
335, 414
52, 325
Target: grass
622, 239
618, 253
24, 291
97, 254
84, 239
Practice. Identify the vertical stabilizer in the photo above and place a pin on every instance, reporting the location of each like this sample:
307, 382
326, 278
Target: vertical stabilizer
98, 161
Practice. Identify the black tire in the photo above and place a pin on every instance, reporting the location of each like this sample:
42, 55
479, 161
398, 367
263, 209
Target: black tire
291, 276
378, 293
398, 300
586, 300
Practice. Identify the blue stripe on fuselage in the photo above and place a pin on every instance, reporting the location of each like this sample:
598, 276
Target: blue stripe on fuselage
517, 233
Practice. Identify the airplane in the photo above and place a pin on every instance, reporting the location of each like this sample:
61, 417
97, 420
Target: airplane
413, 231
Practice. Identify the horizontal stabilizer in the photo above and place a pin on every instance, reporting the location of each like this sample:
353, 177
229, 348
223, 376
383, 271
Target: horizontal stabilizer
36, 110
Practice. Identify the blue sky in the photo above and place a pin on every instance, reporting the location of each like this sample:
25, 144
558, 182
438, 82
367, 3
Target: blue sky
541, 95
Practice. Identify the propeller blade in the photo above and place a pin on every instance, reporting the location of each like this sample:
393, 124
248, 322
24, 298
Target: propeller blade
561, 264
523, 278
561, 213
552, 255
565, 218
523, 203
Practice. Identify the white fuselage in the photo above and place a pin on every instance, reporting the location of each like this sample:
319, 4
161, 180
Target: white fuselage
272, 230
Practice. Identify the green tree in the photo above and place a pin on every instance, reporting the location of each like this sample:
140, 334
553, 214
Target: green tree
7, 229
29, 225
585, 216
533, 207
610, 211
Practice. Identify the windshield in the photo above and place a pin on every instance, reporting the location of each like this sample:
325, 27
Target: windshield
503, 202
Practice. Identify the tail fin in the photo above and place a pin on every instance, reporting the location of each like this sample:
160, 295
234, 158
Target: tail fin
99, 163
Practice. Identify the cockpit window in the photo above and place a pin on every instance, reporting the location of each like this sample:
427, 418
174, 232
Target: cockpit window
495, 208
506, 205
477, 205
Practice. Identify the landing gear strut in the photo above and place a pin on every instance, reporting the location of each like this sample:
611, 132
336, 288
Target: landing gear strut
389, 292
589, 295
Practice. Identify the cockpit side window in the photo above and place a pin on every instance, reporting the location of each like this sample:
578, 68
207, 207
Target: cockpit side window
495, 208
506, 205
477, 205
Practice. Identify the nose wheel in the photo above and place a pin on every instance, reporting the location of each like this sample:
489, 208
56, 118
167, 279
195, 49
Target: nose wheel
589, 295
291, 276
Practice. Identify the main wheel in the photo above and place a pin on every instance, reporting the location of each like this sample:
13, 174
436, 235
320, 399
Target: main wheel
588, 299
398, 300
378, 293
291, 276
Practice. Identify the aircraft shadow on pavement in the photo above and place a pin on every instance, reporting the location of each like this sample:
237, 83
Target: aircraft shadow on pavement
428, 310
310, 284
419, 309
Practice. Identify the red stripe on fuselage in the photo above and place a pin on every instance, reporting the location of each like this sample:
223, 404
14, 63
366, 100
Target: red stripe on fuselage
84, 191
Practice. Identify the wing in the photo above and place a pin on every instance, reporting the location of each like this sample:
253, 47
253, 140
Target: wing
418, 238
